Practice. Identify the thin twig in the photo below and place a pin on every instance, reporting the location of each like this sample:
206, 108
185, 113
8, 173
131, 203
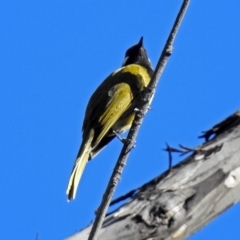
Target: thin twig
143, 108
168, 149
130, 194
37, 235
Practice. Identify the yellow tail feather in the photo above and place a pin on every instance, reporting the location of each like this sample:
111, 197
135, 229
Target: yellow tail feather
79, 166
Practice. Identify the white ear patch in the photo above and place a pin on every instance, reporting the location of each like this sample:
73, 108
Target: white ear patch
125, 60
150, 62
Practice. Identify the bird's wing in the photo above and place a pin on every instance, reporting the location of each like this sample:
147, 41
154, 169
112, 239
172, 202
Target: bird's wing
112, 98
107, 104
100, 98
119, 101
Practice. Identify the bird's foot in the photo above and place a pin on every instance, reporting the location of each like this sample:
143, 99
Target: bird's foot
123, 140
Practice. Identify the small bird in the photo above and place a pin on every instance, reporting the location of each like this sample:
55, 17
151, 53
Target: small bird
110, 109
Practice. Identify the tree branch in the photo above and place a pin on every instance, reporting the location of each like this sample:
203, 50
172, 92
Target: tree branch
175, 205
142, 110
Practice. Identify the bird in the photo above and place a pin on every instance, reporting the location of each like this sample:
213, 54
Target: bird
111, 109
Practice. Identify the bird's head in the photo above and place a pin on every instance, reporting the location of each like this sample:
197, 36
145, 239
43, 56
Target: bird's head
137, 54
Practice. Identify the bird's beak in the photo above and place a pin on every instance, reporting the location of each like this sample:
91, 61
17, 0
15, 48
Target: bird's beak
141, 42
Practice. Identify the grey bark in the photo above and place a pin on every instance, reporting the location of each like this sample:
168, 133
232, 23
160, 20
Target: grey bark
178, 203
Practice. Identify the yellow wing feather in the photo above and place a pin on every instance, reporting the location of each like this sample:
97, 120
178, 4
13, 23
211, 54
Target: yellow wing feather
118, 104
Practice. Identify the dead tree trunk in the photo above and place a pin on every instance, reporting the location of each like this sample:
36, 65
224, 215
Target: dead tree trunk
178, 203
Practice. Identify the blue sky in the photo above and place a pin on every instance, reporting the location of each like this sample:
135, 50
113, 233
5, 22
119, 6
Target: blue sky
53, 54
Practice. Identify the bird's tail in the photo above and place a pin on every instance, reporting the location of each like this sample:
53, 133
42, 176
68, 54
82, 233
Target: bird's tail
79, 165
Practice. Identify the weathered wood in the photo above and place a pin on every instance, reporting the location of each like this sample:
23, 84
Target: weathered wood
175, 205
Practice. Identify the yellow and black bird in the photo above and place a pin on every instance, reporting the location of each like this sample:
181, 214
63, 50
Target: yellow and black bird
111, 109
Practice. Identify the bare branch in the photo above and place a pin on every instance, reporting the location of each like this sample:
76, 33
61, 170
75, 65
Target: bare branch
143, 108
177, 204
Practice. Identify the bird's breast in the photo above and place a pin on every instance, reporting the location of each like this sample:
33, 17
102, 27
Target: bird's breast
124, 122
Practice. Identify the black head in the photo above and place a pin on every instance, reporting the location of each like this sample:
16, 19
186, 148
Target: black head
137, 54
